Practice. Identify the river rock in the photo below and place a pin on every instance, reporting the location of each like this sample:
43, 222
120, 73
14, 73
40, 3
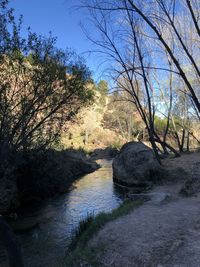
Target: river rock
136, 166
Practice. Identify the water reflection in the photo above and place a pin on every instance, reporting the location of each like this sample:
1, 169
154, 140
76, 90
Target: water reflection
56, 219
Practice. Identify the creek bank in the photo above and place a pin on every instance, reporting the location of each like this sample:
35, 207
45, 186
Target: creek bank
78, 254
42, 174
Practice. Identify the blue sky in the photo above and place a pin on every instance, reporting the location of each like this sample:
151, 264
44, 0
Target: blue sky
63, 20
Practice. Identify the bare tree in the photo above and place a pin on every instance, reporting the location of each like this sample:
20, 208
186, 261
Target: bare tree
127, 46
158, 16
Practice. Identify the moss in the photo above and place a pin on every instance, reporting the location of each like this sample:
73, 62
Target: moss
79, 252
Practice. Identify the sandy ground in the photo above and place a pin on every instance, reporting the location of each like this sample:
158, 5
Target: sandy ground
163, 233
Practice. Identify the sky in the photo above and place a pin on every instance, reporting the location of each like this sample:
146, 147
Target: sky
63, 19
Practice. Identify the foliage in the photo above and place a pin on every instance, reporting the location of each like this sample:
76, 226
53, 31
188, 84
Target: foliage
88, 130
41, 87
102, 88
111, 122
122, 117
41, 90
160, 124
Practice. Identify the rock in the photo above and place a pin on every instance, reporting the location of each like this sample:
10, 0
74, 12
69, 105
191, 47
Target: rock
136, 166
9, 195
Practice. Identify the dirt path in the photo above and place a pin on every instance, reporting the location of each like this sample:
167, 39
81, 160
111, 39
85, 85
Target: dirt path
159, 233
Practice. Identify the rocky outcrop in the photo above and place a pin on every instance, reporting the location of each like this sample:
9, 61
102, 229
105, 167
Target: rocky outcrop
136, 166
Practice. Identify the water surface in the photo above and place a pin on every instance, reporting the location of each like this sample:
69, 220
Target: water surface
56, 219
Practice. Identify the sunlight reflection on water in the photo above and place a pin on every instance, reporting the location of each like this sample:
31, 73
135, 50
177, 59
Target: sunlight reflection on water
57, 218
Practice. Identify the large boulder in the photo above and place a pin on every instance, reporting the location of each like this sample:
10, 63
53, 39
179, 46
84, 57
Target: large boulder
136, 166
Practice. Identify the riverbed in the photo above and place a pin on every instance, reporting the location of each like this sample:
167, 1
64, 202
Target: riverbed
55, 220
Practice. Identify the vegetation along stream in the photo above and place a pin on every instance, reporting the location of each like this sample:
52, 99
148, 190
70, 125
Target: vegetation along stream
56, 219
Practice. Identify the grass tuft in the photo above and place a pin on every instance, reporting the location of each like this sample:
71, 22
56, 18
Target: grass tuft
81, 255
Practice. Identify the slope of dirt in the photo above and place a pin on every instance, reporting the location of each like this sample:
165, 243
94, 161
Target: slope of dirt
159, 233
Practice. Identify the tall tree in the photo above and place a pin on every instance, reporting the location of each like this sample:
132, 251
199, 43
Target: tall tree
41, 87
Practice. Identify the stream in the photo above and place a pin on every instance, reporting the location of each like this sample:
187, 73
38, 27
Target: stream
56, 219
